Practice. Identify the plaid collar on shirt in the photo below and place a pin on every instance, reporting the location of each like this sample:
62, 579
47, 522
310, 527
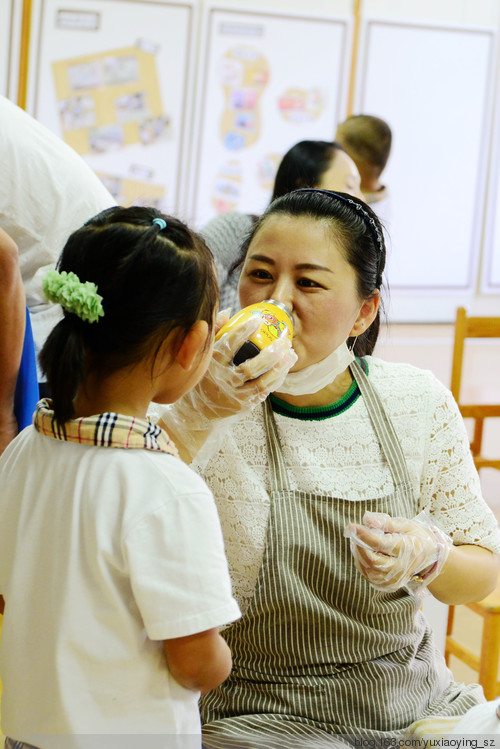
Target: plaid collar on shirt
104, 430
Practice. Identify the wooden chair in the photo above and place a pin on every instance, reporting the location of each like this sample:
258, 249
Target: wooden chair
486, 664
474, 327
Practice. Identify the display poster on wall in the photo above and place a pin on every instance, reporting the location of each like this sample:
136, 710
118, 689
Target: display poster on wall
490, 282
492, 264
268, 81
437, 103
112, 81
10, 14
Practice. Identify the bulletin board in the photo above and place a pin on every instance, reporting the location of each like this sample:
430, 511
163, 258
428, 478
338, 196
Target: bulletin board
10, 31
432, 84
113, 79
491, 277
267, 81
490, 282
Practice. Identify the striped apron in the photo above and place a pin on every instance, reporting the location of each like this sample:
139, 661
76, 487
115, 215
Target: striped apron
321, 653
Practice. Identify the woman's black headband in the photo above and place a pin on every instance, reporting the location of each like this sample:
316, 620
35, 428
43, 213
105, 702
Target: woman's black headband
369, 220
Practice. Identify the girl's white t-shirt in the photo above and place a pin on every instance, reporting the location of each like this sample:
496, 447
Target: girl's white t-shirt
104, 553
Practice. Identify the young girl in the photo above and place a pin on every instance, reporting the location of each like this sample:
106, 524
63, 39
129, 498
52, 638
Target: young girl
112, 563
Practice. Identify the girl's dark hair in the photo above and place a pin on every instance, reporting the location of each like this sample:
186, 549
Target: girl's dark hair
304, 165
152, 280
356, 226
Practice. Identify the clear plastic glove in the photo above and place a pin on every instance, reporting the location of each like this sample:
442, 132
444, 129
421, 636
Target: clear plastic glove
208, 410
226, 389
392, 553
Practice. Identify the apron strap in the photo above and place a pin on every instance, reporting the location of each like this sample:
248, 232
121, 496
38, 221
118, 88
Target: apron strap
278, 474
383, 427
381, 423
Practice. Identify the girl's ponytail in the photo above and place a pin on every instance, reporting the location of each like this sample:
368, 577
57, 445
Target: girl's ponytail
62, 359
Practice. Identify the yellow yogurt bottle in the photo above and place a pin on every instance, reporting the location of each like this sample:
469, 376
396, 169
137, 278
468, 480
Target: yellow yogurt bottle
276, 322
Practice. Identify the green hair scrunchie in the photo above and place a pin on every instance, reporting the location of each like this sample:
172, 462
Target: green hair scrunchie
74, 296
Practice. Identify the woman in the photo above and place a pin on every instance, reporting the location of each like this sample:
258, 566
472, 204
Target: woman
310, 163
332, 640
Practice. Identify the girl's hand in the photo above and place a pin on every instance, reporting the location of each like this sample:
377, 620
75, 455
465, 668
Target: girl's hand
394, 552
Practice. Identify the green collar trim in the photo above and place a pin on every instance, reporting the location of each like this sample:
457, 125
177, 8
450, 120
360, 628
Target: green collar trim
319, 413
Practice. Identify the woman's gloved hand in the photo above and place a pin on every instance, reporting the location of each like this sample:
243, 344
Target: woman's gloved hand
394, 552
226, 391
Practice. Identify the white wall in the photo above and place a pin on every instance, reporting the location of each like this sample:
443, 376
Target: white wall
430, 67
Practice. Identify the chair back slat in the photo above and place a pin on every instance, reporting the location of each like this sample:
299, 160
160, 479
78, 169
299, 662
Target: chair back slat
469, 327
483, 327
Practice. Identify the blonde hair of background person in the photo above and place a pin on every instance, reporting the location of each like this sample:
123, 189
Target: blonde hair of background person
367, 140
343, 500
112, 562
309, 163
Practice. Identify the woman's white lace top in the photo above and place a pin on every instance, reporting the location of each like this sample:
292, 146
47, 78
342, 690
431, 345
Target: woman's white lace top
340, 457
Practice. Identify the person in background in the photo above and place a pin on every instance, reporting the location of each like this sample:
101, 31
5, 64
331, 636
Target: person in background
46, 192
112, 564
343, 499
12, 332
368, 140
310, 163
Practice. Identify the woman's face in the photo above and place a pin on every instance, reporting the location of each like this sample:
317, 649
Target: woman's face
296, 261
342, 176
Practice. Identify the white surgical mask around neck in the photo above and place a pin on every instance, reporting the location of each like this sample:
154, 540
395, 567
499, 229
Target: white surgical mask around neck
317, 376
